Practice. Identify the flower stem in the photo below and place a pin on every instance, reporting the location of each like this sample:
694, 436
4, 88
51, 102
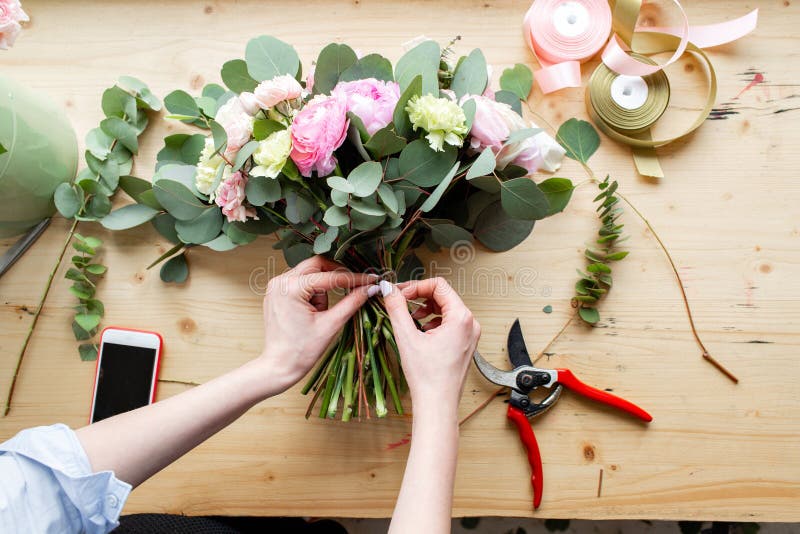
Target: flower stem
46, 291
348, 386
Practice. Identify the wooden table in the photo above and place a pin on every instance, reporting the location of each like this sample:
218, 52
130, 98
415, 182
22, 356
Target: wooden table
728, 210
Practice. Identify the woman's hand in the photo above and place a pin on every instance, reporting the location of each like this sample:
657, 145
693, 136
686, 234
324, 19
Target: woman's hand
435, 359
298, 324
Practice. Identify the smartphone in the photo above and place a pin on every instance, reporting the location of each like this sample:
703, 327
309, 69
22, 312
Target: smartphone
126, 372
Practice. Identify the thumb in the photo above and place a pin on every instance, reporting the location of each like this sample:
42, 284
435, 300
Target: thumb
397, 306
338, 315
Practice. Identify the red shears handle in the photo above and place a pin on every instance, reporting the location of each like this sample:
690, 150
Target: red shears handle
568, 380
532, 448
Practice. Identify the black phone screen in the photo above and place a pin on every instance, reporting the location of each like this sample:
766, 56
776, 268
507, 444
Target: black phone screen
125, 379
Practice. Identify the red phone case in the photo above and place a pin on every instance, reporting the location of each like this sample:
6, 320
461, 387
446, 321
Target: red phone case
97, 363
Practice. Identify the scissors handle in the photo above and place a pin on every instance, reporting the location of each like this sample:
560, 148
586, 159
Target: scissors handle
570, 381
532, 448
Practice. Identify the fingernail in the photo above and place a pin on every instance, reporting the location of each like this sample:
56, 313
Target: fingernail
372, 276
386, 288
373, 290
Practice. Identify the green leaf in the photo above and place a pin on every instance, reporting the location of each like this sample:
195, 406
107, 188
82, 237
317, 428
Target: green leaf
96, 268
237, 234
476, 203
385, 143
489, 184
244, 154
264, 225
234, 74
93, 242
140, 190
483, 165
340, 184
324, 242
579, 139
87, 352
469, 107
2, 149
107, 169
367, 207
116, 102
75, 275
175, 270
145, 98
177, 199
499, 232
68, 200
370, 66
336, 216
389, 198
437, 193
558, 192
181, 103
80, 333
598, 268
616, 256
365, 178
590, 315
128, 217
470, 76
339, 198
181, 148
510, 99
87, 321
362, 221
99, 143
298, 208
219, 135
400, 118
521, 134
98, 206
521, 199
448, 235
333, 60
267, 57
297, 253
165, 226
423, 166
202, 228
260, 190
518, 80
422, 60
263, 128
121, 131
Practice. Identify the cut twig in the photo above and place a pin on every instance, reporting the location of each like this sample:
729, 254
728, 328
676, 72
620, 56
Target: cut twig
600, 483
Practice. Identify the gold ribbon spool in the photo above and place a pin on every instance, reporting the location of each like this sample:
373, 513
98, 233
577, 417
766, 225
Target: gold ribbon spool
634, 133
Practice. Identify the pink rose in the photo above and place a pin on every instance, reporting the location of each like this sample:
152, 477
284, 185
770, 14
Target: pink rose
238, 125
230, 197
319, 129
11, 14
495, 121
373, 101
280, 88
249, 103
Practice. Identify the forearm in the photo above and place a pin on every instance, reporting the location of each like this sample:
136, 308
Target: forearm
426, 495
138, 444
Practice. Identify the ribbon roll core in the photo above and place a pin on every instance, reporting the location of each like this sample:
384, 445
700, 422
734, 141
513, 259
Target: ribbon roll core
563, 34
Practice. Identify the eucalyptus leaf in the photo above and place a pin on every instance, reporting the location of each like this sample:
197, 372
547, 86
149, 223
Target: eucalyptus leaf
385, 142
128, 217
98, 206
117, 102
297, 253
470, 76
236, 77
340, 184
87, 352
134, 187
221, 243
520, 135
448, 235
522, 199
499, 232
437, 193
165, 225
178, 200
389, 199
469, 107
339, 198
510, 99
490, 184
518, 80
400, 118
483, 165
175, 270
244, 154
324, 242
121, 131
579, 139
268, 57
298, 208
366, 207
369, 66
181, 103
336, 216
98, 143
202, 228
219, 135
423, 166
181, 148
333, 60
260, 190
558, 192
588, 314
2, 149
476, 203
68, 200
365, 178
422, 60
263, 128
362, 221
87, 321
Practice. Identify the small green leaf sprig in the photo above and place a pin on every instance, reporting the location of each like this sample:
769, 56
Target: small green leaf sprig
597, 280
109, 158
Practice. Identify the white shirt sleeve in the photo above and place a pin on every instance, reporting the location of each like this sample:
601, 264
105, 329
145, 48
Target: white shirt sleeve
47, 485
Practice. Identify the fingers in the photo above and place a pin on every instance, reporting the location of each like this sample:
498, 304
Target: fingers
336, 316
397, 307
324, 281
433, 323
316, 264
437, 289
319, 300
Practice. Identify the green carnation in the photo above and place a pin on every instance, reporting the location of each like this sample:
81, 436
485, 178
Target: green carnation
443, 119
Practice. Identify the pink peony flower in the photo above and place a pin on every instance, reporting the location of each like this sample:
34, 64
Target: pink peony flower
249, 102
319, 129
495, 121
280, 88
238, 125
230, 196
11, 14
373, 101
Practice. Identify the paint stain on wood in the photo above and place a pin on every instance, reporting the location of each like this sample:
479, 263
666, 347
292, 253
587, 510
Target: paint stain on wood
405, 441
758, 78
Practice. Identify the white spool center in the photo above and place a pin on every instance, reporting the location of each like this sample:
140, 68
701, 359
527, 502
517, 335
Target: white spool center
571, 19
629, 92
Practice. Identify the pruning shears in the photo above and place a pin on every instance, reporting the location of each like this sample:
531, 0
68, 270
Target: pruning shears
525, 378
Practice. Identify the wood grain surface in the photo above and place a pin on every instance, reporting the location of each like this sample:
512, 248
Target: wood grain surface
728, 210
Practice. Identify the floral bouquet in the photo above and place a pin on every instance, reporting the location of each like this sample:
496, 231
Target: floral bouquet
362, 162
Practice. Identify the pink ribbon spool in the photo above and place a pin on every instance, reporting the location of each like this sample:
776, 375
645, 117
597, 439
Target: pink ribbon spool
563, 34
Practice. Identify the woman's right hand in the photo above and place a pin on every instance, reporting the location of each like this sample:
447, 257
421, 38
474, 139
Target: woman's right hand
435, 359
